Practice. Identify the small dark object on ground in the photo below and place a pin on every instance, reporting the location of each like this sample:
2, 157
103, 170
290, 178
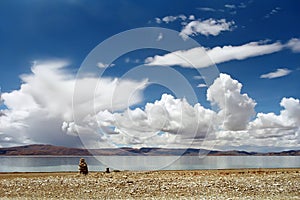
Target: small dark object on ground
107, 170
83, 168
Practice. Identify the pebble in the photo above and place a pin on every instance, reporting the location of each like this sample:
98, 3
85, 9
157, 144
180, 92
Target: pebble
201, 184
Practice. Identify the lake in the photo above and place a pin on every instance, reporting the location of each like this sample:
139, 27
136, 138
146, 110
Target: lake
99, 163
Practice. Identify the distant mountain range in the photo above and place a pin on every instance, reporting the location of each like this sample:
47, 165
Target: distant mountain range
39, 149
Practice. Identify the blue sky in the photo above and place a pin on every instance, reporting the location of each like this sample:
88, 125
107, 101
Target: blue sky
35, 30
66, 31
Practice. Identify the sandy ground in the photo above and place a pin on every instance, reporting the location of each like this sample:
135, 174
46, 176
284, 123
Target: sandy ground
192, 184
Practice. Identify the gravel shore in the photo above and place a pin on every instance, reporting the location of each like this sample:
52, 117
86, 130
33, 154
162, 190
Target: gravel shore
191, 184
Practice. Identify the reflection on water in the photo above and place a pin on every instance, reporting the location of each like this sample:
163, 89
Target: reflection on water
49, 164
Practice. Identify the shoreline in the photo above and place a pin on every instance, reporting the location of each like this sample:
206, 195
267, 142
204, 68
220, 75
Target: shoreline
160, 170
259, 183
136, 155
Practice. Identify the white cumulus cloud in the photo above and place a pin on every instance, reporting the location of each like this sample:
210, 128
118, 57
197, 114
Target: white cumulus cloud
278, 73
201, 85
207, 9
202, 57
104, 65
170, 18
41, 112
37, 111
294, 45
286, 124
168, 116
160, 37
231, 6
192, 26
171, 122
235, 108
206, 27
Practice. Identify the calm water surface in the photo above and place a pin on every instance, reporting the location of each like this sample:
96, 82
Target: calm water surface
50, 164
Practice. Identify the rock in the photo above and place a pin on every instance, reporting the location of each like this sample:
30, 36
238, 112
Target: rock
83, 168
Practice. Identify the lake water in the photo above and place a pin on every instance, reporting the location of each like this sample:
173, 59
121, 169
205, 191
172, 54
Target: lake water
70, 163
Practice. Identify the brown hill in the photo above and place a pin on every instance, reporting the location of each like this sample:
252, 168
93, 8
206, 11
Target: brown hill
40, 149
